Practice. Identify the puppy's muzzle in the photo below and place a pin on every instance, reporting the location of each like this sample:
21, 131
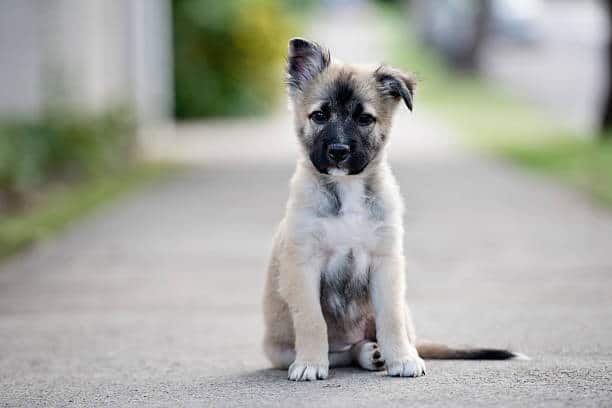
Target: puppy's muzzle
338, 152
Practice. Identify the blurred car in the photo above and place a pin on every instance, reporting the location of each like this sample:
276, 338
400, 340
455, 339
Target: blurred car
455, 27
516, 19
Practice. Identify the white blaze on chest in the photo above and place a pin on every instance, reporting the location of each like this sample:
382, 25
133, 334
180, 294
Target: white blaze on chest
352, 228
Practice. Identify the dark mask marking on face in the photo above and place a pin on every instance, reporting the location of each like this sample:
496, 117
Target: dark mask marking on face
343, 94
343, 106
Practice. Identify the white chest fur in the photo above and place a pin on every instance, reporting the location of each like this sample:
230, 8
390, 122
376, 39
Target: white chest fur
352, 227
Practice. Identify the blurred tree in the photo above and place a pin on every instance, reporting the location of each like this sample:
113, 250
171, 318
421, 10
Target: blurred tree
470, 59
228, 55
457, 29
606, 120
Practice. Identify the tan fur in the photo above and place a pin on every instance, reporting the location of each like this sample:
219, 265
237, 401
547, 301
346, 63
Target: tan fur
348, 241
297, 335
303, 103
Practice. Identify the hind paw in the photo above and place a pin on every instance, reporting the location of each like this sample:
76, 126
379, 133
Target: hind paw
369, 357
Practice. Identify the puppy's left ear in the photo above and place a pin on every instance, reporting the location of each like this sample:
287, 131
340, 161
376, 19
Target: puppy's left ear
394, 83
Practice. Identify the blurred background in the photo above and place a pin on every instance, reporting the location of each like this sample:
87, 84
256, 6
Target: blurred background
86, 87
506, 165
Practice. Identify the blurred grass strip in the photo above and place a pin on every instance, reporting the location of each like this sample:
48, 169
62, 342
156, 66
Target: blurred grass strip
63, 144
585, 164
495, 122
228, 55
63, 204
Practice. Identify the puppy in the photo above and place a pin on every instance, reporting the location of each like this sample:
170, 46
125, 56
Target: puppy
335, 286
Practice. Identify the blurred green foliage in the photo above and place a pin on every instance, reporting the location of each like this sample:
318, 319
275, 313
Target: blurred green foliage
390, 2
584, 163
63, 204
61, 145
228, 55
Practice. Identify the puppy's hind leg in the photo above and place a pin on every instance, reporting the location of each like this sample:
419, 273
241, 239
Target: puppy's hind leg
279, 336
367, 356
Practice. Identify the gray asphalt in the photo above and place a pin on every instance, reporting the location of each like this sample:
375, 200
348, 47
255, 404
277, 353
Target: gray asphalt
155, 300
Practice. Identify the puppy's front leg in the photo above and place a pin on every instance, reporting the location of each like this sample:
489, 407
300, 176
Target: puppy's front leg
387, 290
302, 293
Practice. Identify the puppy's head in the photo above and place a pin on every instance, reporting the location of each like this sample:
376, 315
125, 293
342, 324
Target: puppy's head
342, 112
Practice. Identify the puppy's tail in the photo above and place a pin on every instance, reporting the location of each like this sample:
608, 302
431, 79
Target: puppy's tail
441, 352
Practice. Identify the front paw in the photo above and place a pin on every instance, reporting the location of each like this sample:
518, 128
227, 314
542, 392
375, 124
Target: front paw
308, 371
412, 366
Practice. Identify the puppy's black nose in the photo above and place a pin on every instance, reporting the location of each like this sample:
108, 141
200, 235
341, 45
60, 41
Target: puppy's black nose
338, 152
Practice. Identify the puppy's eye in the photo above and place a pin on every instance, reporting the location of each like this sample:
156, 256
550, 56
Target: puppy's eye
319, 117
365, 119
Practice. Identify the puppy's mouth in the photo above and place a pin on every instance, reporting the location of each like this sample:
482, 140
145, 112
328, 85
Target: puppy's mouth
337, 171
347, 167
342, 169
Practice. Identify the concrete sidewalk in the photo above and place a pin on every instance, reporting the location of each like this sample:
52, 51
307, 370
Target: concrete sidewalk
155, 300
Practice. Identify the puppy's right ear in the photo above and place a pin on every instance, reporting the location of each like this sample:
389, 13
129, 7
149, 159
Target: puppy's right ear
305, 60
